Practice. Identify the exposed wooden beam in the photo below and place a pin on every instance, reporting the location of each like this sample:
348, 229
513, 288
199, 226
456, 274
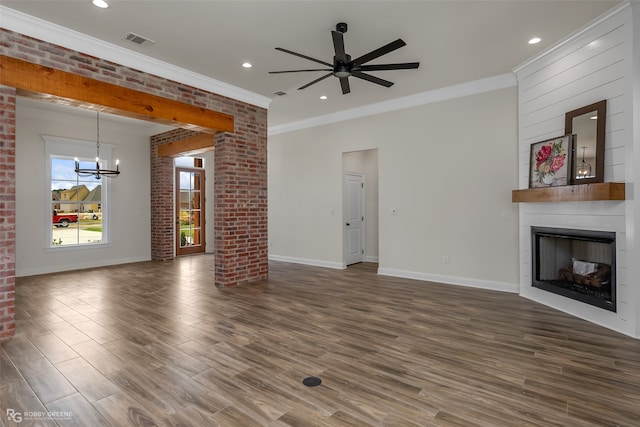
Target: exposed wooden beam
189, 146
45, 83
571, 193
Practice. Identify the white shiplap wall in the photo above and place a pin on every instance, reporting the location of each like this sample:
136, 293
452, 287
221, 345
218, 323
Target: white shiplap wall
591, 65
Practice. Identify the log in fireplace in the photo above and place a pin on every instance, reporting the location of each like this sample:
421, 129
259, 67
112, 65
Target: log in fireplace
577, 264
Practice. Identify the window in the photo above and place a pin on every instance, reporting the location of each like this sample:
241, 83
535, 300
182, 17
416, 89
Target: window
189, 162
76, 206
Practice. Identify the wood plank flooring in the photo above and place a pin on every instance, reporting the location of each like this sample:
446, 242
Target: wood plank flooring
157, 344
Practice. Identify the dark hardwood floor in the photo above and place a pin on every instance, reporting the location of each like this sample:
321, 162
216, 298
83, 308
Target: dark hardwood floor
156, 343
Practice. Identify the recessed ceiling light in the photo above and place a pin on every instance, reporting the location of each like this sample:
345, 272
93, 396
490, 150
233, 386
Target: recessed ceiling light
100, 3
323, 97
535, 40
247, 65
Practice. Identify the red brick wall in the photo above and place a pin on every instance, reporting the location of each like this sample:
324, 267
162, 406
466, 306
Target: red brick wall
250, 127
163, 218
240, 211
7, 211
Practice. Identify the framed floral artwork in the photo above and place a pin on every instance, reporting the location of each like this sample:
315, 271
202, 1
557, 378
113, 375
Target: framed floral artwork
550, 162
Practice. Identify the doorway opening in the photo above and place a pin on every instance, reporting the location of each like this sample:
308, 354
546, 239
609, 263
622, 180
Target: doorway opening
360, 206
190, 207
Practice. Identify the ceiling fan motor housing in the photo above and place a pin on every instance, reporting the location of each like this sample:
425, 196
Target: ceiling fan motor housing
342, 69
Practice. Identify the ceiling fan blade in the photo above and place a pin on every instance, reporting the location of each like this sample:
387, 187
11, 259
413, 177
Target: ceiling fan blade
315, 81
305, 57
338, 46
379, 52
384, 67
299, 71
372, 79
344, 83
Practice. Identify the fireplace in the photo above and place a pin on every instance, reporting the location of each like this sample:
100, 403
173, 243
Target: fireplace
577, 264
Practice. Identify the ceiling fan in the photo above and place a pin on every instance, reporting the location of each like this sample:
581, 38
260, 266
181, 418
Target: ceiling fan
344, 67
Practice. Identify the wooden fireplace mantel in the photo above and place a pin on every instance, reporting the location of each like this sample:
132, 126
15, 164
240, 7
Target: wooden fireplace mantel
571, 193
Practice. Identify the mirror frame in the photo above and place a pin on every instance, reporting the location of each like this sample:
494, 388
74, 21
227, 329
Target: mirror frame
601, 109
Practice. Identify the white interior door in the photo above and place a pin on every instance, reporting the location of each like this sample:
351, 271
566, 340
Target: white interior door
354, 217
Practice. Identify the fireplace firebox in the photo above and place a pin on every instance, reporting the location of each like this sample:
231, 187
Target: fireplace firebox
577, 264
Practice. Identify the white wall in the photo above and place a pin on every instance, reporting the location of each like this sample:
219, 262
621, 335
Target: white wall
594, 64
633, 170
448, 169
130, 211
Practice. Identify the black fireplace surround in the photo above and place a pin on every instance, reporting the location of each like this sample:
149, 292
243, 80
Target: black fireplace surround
577, 264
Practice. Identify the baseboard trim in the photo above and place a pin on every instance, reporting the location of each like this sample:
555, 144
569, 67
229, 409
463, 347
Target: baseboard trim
80, 266
370, 258
451, 280
608, 319
307, 261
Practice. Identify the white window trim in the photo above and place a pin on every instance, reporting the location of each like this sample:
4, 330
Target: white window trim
68, 147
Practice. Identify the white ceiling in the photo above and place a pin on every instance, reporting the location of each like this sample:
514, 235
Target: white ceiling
455, 41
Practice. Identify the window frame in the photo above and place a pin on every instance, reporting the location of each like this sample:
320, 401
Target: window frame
69, 148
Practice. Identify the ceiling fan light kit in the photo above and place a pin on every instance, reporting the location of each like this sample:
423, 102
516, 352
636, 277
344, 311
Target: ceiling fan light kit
344, 67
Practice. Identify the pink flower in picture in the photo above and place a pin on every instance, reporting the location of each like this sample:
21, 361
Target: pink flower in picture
557, 163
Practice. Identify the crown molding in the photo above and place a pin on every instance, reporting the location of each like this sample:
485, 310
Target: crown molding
47, 31
488, 84
574, 35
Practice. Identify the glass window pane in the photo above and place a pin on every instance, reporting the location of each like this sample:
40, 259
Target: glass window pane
195, 218
63, 169
186, 181
197, 232
76, 204
189, 162
195, 200
90, 229
64, 225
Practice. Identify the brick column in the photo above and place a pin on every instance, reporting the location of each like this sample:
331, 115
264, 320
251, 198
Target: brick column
162, 200
240, 210
7, 211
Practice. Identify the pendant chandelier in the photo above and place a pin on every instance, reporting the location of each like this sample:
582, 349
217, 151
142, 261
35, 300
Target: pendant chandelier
583, 170
97, 172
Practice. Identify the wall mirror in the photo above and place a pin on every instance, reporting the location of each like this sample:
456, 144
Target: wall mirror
587, 124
